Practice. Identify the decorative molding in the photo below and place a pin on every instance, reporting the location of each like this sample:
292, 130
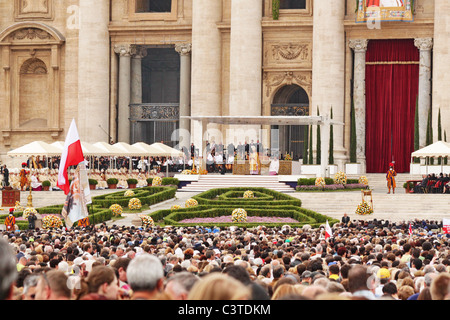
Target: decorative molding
424, 44
290, 51
155, 112
30, 34
33, 66
358, 45
125, 50
276, 79
183, 48
139, 52
33, 9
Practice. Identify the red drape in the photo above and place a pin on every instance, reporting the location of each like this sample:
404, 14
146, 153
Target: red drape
391, 92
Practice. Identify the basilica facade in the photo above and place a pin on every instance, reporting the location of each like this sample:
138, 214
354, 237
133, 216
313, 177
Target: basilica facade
136, 70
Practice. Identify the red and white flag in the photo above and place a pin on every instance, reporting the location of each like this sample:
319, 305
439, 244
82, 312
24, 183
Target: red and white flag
328, 232
410, 230
72, 155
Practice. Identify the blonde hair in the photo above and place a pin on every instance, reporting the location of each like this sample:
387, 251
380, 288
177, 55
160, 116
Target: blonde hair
218, 286
286, 289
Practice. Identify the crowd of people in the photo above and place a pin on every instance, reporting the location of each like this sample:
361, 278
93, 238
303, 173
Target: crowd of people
432, 183
362, 260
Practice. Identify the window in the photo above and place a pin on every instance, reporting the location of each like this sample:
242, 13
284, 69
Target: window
153, 6
292, 4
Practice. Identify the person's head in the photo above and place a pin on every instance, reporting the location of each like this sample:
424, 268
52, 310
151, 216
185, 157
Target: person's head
121, 266
239, 273
102, 280
52, 285
358, 277
29, 286
179, 285
404, 292
145, 273
218, 286
8, 270
440, 287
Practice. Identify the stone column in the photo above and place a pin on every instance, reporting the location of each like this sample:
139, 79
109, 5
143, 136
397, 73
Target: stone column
359, 98
185, 92
328, 71
136, 88
424, 101
206, 63
125, 52
441, 67
246, 61
93, 71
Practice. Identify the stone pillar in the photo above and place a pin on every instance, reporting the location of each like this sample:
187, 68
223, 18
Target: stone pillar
125, 52
328, 71
206, 63
441, 67
359, 98
136, 89
93, 71
424, 101
185, 93
246, 61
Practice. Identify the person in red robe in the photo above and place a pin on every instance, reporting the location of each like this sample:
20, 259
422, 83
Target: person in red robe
10, 221
373, 3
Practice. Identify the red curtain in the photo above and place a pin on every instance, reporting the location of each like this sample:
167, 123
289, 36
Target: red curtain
391, 93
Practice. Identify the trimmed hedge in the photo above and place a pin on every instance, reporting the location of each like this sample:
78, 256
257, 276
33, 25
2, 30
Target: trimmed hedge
212, 205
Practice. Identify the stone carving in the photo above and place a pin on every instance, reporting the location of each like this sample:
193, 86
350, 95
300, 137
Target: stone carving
33, 66
183, 48
30, 34
34, 6
125, 50
286, 78
290, 51
358, 45
154, 112
424, 43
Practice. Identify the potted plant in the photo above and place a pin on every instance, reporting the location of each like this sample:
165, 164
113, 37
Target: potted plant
112, 183
46, 185
132, 183
92, 184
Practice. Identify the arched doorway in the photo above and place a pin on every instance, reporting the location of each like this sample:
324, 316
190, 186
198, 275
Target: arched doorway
290, 100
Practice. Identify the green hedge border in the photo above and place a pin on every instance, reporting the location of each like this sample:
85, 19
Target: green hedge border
99, 209
235, 195
209, 206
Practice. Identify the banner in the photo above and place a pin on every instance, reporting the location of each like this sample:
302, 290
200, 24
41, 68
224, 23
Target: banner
384, 10
79, 196
446, 225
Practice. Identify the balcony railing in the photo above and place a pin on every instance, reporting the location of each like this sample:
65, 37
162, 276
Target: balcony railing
155, 112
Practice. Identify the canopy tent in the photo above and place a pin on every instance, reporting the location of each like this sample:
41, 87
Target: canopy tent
35, 148
88, 148
435, 150
129, 150
166, 151
108, 150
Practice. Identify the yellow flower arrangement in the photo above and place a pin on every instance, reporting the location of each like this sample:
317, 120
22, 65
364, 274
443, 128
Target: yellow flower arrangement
134, 204
27, 212
175, 207
51, 221
147, 221
191, 203
364, 209
320, 182
128, 193
287, 157
363, 180
116, 210
249, 194
18, 207
239, 215
340, 178
156, 182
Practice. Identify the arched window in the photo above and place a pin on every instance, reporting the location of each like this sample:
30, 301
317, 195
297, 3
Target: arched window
153, 6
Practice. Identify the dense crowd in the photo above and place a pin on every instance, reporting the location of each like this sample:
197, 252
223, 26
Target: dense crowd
361, 260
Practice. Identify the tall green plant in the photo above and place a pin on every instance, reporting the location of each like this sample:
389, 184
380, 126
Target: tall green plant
445, 139
305, 145
275, 9
353, 135
318, 142
310, 154
331, 149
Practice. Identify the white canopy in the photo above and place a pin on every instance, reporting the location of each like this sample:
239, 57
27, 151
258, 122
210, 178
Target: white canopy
88, 148
108, 150
165, 150
435, 150
35, 148
129, 150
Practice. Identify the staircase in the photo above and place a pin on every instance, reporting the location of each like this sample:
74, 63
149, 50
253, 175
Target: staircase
212, 181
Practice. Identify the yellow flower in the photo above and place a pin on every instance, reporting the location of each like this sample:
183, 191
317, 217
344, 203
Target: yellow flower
364, 208
320, 182
51, 221
175, 207
156, 181
27, 212
340, 178
363, 180
116, 209
239, 215
191, 203
248, 194
128, 193
134, 204
147, 221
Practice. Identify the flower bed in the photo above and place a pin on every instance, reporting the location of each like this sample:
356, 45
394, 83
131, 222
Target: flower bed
227, 219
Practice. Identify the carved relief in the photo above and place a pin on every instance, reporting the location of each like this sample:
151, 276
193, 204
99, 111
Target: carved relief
290, 51
30, 34
33, 66
34, 9
276, 79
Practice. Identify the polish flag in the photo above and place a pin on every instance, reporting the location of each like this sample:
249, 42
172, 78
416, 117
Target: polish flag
410, 230
328, 232
72, 155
